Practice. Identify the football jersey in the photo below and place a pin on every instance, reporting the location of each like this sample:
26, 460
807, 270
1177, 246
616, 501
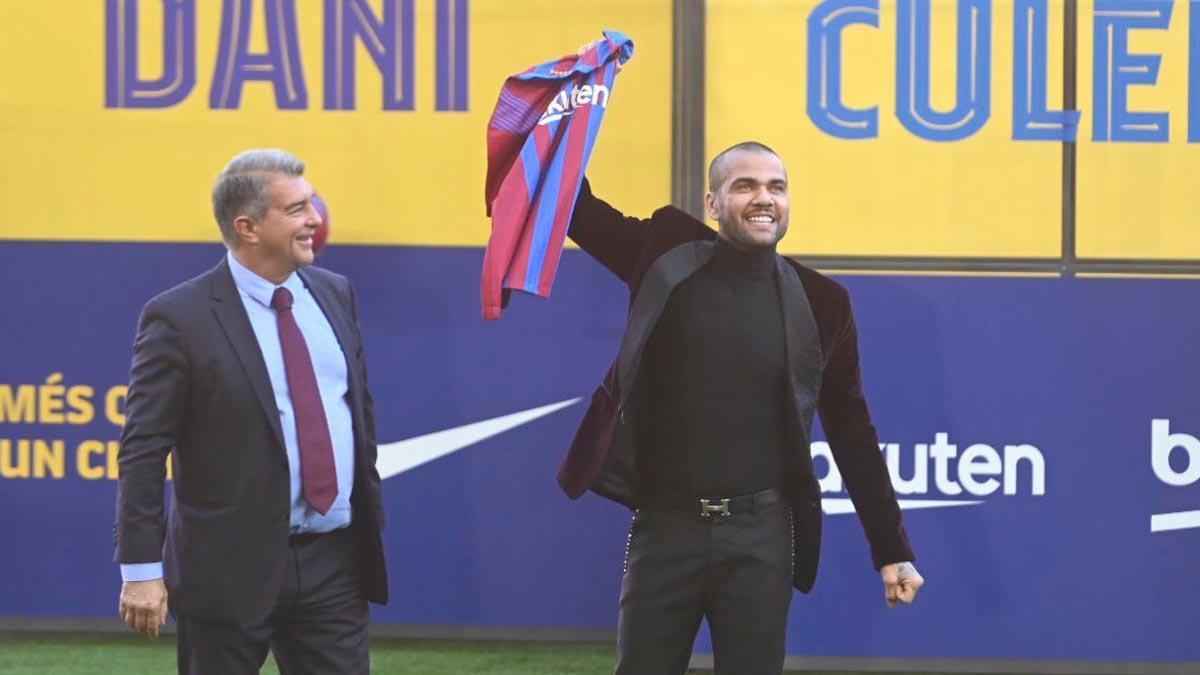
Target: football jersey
539, 139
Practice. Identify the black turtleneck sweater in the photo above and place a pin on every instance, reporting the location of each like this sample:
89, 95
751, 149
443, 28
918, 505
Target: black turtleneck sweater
711, 412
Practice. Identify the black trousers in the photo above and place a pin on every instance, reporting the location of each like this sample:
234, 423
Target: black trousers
318, 626
734, 570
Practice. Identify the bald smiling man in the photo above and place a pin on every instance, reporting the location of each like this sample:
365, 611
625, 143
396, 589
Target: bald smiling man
702, 424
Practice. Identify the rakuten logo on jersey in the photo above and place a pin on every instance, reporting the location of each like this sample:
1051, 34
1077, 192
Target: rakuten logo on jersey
1183, 472
941, 475
567, 102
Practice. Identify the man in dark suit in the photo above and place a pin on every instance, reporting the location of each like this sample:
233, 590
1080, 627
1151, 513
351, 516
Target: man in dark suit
702, 424
252, 378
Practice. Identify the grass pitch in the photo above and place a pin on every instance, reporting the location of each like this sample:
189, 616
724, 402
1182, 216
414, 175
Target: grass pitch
129, 654
78, 654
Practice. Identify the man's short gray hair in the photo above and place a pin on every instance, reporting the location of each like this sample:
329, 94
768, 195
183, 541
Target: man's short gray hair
718, 169
241, 189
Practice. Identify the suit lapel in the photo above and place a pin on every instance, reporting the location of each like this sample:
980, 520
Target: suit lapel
800, 331
231, 314
336, 315
661, 278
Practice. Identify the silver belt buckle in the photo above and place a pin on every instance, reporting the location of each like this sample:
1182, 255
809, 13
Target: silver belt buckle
708, 507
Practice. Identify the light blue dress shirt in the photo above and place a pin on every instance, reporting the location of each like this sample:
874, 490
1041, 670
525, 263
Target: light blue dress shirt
329, 365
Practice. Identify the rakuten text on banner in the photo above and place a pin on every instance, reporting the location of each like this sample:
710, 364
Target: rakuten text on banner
116, 128
909, 127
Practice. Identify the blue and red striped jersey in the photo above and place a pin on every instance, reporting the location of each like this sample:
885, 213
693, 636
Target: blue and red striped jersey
539, 140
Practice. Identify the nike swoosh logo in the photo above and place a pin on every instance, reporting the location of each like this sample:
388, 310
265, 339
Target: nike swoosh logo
554, 118
1179, 520
397, 457
837, 507
400, 456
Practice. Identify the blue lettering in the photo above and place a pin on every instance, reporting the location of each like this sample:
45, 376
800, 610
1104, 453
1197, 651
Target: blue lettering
1115, 70
1194, 72
973, 97
825, 107
452, 55
123, 88
280, 65
1032, 121
389, 42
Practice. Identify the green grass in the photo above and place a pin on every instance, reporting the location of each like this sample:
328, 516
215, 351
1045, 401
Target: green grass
77, 654
119, 654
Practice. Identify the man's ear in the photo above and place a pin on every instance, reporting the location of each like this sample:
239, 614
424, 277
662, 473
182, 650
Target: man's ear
710, 206
246, 229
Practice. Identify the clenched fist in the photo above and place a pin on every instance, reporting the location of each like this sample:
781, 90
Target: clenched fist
901, 581
143, 606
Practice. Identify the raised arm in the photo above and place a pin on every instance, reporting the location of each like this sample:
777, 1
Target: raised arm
606, 234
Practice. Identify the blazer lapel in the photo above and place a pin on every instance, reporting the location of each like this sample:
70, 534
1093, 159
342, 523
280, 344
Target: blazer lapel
231, 314
661, 278
801, 337
336, 315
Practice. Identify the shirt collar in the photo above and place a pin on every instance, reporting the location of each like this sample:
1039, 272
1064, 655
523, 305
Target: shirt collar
754, 262
255, 286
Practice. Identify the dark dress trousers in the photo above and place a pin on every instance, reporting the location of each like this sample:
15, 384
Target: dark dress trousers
199, 389
654, 255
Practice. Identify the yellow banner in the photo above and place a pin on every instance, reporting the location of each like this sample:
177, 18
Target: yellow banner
1137, 171
117, 115
896, 123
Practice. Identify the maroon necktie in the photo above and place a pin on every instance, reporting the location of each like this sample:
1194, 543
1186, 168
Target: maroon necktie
317, 471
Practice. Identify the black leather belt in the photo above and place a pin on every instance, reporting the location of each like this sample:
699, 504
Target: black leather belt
302, 538
719, 507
